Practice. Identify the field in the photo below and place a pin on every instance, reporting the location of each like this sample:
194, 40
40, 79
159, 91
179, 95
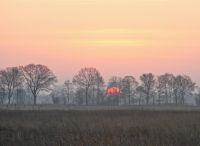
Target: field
99, 128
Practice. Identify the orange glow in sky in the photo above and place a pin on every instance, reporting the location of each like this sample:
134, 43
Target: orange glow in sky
118, 37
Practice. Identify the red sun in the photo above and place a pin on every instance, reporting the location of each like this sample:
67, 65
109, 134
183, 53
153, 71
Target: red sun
114, 91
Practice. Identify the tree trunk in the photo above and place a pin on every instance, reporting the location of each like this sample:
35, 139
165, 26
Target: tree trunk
98, 90
86, 95
64, 100
68, 98
118, 99
176, 99
9, 99
183, 99
35, 99
140, 99
147, 100
159, 98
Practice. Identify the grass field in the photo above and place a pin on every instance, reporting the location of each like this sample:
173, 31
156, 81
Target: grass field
100, 128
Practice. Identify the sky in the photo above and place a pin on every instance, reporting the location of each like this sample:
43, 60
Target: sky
118, 37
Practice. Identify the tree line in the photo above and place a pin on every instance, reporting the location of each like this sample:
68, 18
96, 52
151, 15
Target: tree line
28, 84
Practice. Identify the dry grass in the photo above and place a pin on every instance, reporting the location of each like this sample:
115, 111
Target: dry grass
99, 128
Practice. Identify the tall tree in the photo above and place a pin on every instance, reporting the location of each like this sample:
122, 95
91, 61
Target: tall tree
2, 95
197, 96
38, 78
129, 85
87, 78
99, 84
165, 87
115, 84
140, 93
148, 84
183, 86
10, 79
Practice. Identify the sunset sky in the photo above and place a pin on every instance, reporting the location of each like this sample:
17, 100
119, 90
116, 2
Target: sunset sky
118, 37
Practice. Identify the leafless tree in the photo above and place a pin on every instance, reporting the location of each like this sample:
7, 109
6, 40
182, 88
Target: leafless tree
115, 81
87, 78
2, 95
165, 87
79, 96
38, 78
197, 96
184, 86
129, 85
10, 79
57, 95
148, 84
140, 93
98, 88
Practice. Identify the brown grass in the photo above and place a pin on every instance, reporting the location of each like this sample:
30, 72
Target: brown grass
99, 128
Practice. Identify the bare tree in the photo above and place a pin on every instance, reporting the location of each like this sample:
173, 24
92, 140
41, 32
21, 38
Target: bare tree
80, 96
10, 79
2, 95
99, 87
197, 96
165, 87
140, 93
183, 86
115, 83
129, 85
87, 78
38, 78
57, 95
148, 84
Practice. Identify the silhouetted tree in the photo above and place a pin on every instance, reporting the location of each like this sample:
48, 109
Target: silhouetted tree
165, 87
116, 82
38, 78
87, 78
140, 93
183, 86
129, 85
98, 87
148, 84
2, 95
197, 96
57, 95
10, 79
80, 96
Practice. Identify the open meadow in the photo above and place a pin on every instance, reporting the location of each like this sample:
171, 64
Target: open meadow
99, 128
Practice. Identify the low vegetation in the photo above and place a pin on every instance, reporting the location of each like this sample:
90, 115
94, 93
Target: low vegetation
99, 128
